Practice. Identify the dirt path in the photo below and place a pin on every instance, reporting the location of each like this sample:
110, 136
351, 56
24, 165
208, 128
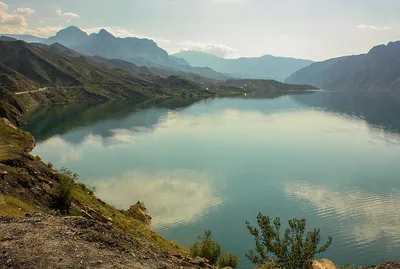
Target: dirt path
38, 90
74, 242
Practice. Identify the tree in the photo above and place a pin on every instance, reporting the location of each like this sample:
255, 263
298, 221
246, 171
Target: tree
205, 247
292, 251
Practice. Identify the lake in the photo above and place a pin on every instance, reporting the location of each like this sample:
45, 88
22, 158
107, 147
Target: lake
215, 163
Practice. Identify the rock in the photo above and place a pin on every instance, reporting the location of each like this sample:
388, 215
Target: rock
139, 212
3, 174
322, 264
93, 214
199, 261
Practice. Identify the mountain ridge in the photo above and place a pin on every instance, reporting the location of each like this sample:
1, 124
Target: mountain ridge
264, 67
377, 70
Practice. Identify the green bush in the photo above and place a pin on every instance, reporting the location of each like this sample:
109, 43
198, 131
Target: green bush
63, 197
64, 190
228, 259
292, 251
205, 247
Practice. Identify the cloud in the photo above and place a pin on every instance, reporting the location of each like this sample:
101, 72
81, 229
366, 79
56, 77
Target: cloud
177, 196
15, 22
3, 6
10, 19
24, 11
67, 15
373, 27
45, 31
219, 50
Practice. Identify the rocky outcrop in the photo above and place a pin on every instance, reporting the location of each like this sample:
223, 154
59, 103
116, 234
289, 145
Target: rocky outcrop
322, 264
139, 212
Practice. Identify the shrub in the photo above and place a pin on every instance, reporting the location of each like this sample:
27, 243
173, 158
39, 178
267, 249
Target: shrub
64, 190
228, 260
63, 197
205, 247
292, 251
50, 165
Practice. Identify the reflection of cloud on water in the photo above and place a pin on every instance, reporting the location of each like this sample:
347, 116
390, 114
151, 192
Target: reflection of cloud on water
171, 197
372, 215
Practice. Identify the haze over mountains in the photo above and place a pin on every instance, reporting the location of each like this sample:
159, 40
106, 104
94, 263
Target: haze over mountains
377, 70
265, 67
145, 52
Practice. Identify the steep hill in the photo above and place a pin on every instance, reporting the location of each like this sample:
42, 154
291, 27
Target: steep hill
378, 70
265, 67
139, 51
40, 74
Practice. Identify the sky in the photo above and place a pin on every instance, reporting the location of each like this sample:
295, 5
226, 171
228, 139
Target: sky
308, 29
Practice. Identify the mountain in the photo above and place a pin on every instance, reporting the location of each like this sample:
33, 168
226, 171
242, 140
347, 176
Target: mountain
139, 51
265, 67
38, 74
377, 70
70, 36
7, 38
26, 38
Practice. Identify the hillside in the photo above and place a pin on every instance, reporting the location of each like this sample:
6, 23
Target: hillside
40, 74
265, 67
378, 70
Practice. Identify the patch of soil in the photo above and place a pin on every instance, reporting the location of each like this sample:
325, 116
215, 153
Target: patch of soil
39, 241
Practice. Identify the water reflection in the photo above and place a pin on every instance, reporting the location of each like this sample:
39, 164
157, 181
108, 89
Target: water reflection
172, 197
366, 216
47, 121
379, 110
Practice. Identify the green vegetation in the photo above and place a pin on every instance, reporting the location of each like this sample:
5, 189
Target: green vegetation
206, 247
14, 207
292, 251
64, 191
228, 260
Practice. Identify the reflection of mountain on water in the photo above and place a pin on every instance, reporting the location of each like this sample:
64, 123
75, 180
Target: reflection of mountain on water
379, 110
100, 118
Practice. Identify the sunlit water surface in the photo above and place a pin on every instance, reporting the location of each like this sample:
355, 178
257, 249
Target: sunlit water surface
213, 164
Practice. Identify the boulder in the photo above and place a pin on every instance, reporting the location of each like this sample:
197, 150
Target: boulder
322, 264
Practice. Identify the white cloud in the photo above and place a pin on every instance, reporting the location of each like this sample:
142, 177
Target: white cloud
15, 22
177, 196
3, 6
10, 19
67, 15
24, 11
373, 27
219, 50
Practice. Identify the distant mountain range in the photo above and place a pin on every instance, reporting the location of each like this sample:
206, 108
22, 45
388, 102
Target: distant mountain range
145, 52
265, 67
141, 52
378, 70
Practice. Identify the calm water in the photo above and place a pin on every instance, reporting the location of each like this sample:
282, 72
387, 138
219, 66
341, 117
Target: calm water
212, 164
